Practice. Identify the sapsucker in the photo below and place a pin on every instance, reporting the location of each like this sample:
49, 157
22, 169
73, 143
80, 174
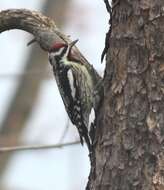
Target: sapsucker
76, 80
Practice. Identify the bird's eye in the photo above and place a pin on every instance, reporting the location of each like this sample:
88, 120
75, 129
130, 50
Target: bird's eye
57, 46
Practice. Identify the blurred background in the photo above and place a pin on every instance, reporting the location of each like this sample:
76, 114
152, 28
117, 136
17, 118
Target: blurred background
32, 112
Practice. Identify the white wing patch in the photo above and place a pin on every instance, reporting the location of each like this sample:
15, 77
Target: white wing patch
91, 118
71, 82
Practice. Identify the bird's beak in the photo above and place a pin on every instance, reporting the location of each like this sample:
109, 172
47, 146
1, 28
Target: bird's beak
73, 43
31, 42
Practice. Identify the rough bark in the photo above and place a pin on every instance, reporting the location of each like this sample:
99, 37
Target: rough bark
129, 143
129, 150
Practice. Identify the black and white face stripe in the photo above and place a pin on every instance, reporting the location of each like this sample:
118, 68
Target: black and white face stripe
57, 55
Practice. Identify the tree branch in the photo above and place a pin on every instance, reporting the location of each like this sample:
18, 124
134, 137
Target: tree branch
43, 28
37, 147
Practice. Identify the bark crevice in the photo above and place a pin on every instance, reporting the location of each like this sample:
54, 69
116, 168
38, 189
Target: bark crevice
129, 152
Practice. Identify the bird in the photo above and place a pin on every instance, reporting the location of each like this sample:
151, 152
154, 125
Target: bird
76, 80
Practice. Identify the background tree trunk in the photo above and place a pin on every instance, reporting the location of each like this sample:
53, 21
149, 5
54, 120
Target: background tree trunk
26, 93
129, 149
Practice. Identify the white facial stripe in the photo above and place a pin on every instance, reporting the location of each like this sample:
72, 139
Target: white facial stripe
58, 52
53, 54
91, 118
71, 82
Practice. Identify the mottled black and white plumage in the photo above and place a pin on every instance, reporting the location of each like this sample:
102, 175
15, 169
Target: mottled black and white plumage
76, 80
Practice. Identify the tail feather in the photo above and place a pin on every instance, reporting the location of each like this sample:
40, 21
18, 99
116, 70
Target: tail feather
84, 135
81, 140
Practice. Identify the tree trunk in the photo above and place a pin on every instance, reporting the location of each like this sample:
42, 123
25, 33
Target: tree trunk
129, 146
129, 142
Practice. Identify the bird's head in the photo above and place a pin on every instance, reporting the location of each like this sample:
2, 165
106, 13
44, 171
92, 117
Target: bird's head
62, 50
